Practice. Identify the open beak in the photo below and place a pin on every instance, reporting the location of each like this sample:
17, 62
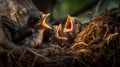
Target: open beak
42, 24
59, 34
68, 25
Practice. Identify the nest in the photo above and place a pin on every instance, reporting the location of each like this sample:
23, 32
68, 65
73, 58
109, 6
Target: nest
101, 39
98, 45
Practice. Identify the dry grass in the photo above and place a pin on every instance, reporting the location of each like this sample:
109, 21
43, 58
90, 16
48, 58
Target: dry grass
101, 39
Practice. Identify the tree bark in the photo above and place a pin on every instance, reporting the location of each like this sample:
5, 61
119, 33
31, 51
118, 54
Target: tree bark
17, 10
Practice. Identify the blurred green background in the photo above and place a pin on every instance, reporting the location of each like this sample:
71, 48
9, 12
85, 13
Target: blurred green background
62, 8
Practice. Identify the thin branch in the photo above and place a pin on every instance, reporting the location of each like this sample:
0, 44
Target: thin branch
97, 7
34, 52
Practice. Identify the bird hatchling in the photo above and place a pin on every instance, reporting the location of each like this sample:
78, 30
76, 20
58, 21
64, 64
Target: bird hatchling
72, 28
58, 38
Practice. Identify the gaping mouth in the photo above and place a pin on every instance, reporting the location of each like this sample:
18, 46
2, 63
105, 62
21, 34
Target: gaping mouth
59, 34
68, 25
42, 23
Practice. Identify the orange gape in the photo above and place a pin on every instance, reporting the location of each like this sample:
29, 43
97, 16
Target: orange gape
58, 37
59, 34
68, 26
67, 35
42, 24
72, 28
